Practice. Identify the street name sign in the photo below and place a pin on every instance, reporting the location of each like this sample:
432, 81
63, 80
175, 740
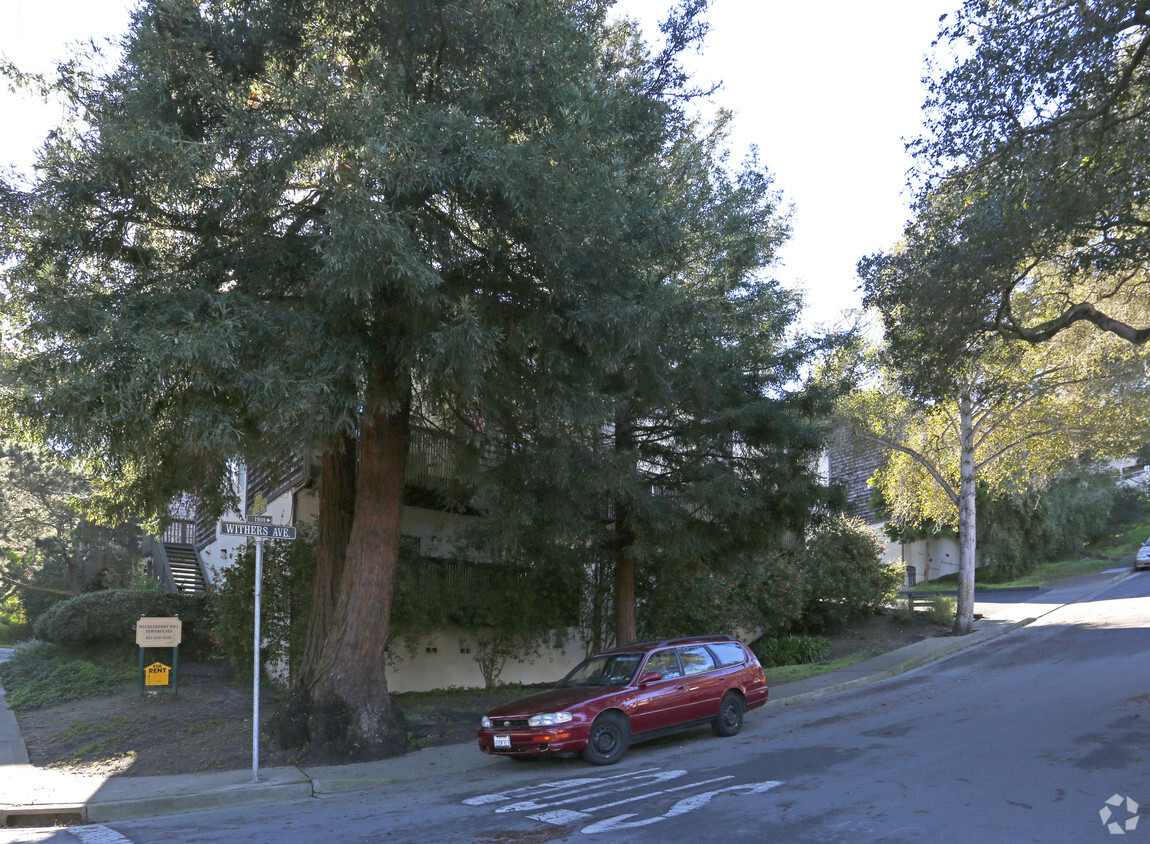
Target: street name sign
257, 530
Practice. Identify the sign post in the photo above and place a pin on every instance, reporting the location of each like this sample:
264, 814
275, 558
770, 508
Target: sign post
258, 528
159, 633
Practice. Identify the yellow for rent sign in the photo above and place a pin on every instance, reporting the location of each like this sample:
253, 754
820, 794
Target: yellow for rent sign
157, 674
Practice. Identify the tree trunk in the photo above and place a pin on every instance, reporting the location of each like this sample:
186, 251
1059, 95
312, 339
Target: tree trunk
624, 598
344, 711
964, 615
333, 525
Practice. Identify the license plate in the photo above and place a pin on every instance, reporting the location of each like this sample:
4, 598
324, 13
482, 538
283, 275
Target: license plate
503, 742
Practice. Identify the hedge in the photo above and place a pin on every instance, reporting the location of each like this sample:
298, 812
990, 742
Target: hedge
109, 616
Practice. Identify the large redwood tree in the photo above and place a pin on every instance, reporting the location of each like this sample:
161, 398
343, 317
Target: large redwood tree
283, 224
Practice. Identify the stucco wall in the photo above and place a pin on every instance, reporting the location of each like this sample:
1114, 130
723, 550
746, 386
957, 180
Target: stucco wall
446, 659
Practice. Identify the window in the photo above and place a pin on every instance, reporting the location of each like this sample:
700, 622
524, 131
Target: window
728, 653
666, 663
696, 659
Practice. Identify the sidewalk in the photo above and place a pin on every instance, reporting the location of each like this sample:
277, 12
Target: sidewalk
31, 796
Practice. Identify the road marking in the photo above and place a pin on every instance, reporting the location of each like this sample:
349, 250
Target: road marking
544, 787
688, 804
654, 778
98, 835
655, 793
565, 817
554, 796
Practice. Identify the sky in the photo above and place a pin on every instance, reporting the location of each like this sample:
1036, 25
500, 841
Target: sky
828, 92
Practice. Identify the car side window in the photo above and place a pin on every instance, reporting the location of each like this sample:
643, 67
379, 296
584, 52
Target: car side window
728, 653
666, 663
696, 659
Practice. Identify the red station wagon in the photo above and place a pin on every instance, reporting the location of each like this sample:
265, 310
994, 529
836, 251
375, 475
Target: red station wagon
635, 691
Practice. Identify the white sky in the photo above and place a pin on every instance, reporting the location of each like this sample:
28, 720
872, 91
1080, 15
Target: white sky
827, 91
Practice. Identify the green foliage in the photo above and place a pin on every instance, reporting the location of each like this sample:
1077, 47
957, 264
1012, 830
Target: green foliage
844, 574
792, 649
768, 597
941, 610
1024, 91
1130, 506
14, 625
285, 602
683, 603
47, 567
109, 616
43, 674
1017, 532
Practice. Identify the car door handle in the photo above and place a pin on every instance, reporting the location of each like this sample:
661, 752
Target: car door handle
680, 688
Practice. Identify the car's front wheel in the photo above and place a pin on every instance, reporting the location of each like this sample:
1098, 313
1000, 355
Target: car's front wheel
609, 739
730, 719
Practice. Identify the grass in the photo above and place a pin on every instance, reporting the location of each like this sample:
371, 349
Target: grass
40, 674
1043, 574
1126, 542
793, 673
1118, 545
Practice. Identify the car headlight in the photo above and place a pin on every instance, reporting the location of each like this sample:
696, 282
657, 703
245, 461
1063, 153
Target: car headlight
549, 719
486, 723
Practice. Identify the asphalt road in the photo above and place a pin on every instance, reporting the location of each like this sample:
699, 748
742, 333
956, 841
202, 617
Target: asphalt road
1024, 739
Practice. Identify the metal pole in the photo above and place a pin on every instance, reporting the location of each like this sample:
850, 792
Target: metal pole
256, 667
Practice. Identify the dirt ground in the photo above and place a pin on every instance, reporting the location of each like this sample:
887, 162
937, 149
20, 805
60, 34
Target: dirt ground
207, 724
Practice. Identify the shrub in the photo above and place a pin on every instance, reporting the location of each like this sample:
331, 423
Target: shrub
941, 610
46, 567
14, 626
109, 616
777, 592
791, 650
693, 604
844, 574
767, 597
285, 602
44, 674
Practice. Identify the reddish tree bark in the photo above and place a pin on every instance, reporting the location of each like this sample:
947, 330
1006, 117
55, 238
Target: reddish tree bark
343, 712
333, 526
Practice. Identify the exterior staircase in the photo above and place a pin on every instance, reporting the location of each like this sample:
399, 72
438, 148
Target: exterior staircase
187, 576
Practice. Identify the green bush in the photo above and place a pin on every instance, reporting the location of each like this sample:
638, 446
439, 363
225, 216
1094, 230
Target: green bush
1018, 532
109, 616
43, 674
844, 574
791, 650
285, 601
14, 626
693, 604
941, 610
46, 567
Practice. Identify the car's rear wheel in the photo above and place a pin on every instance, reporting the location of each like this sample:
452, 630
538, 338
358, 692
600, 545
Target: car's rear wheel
610, 736
730, 719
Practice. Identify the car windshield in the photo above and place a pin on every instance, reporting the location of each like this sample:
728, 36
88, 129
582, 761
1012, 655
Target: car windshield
605, 670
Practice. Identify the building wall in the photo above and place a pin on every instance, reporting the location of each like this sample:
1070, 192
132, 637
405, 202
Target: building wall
931, 558
446, 659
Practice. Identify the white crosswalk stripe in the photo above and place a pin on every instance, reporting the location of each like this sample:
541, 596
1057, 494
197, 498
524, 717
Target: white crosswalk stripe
578, 800
93, 834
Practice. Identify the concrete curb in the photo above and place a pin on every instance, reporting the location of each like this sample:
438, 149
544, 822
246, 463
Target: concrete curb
48, 802
933, 654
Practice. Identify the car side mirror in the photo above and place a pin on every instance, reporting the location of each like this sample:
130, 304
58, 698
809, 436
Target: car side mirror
650, 677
